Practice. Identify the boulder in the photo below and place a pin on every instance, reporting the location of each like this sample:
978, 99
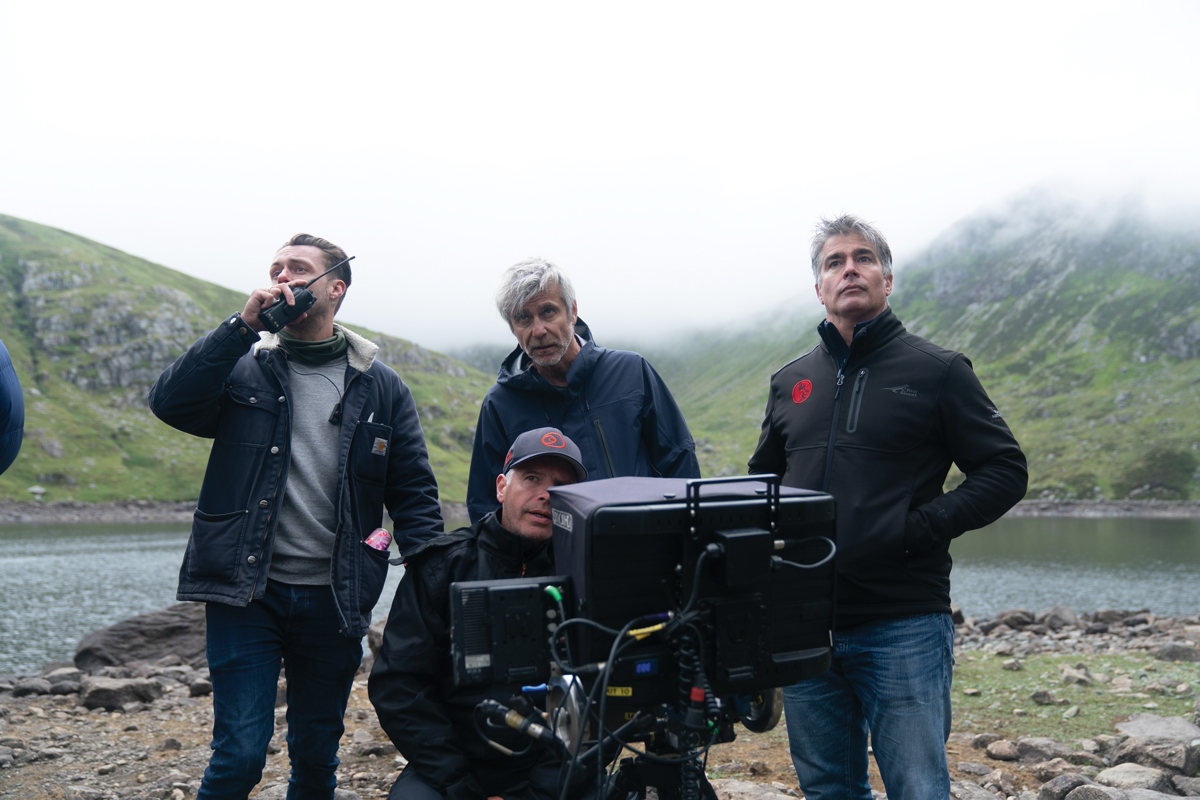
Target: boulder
1135, 776
1091, 791
1111, 616
1168, 754
1042, 748
1016, 618
1058, 788
1152, 726
981, 740
28, 686
1055, 767
375, 636
1188, 787
1003, 750
1174, 651
972, 768
1058, 617
65, 687
178, 629
965, 790
64, 675
114, 693
200, 687
1043, 697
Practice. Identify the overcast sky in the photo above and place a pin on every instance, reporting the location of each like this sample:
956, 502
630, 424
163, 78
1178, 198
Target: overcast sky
672, 157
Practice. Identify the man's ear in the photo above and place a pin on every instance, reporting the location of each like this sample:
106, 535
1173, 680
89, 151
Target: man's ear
501, 485
574, 311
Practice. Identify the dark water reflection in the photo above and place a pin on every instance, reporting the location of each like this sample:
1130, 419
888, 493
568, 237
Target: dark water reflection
1084, 563
59, 583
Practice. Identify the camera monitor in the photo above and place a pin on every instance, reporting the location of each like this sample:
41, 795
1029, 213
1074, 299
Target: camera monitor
753, 557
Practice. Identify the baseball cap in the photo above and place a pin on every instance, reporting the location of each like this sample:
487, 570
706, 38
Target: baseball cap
545, 442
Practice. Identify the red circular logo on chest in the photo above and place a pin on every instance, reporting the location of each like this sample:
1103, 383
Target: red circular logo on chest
801, 391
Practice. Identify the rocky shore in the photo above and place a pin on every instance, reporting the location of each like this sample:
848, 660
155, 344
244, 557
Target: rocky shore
129, 721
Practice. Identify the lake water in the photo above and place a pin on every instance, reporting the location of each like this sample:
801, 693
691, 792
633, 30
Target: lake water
59, 583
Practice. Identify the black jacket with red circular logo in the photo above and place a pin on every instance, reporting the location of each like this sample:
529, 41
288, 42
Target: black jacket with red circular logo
880, 434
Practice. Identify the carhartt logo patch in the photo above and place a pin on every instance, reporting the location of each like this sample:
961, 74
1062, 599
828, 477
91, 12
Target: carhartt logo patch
802, 391
903, 391
379, 448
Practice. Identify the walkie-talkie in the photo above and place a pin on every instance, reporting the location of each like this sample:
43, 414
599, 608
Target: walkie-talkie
281, 314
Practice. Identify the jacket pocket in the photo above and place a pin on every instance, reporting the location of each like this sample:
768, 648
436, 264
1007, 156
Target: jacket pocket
374, 572
370, 451
248, 417
215, 548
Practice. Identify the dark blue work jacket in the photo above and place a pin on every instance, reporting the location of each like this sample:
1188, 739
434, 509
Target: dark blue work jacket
615, 408
223, 390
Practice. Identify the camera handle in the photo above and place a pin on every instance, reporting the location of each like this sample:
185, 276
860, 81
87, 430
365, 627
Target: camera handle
692, 496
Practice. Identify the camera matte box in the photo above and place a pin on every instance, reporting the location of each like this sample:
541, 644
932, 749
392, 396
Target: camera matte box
628, 545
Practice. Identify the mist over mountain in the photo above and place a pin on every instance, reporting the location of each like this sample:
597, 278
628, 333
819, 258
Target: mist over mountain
90, 329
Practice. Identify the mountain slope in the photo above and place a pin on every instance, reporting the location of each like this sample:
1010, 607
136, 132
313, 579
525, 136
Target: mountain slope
1083, 325
90, 328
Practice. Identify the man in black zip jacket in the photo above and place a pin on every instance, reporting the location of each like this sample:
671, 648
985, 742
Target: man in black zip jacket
610, 402
429, 719
875, 416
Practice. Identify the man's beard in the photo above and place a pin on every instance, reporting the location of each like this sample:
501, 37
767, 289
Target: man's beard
552, 358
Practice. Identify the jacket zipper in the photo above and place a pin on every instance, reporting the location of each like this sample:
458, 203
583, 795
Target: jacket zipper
608, 462
837, 406
856, 396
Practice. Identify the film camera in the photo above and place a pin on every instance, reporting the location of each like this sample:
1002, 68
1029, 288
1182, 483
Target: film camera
680, 608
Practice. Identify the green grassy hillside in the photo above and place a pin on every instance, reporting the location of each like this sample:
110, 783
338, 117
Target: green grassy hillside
90, 328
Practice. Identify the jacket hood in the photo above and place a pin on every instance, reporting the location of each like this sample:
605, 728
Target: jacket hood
360, 354
516, 370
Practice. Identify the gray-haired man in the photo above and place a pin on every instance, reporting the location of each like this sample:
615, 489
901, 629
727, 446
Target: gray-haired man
610, 402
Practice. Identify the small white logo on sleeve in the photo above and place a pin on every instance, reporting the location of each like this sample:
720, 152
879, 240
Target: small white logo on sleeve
561, 518
380, 447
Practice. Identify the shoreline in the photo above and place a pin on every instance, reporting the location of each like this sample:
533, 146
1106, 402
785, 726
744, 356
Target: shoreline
125, 512
180, 512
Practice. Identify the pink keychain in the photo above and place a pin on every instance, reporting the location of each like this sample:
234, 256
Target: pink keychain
379, 539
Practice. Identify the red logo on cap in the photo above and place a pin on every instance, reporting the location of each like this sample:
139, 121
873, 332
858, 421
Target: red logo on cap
508, 457
801, 391
553, 440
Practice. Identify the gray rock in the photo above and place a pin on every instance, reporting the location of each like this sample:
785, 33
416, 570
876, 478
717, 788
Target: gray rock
1003, 750
1042, 748
1152, 726
65, 687
982, 740
200, 687
1058, 617
1055, 767
1043, 697
1177, 757
64, 674
965, 790
114, 693
1189, 787
972, 768
998, 781
28, 686
1058, 788
1079, 677
12, 743
732, 789
176, 630
1094, 792
1016, 618
1174, 651
1135, 776
82, 793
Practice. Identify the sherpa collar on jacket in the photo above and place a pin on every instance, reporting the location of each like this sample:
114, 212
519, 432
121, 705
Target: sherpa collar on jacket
359, 355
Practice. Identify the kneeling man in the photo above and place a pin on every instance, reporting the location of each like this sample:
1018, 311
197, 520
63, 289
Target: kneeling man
412, 685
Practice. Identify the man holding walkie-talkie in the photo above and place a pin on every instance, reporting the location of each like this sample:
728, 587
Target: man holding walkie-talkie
313, 437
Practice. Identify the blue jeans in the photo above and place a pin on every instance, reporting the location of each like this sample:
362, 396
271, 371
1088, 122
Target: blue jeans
891, 677
297, 625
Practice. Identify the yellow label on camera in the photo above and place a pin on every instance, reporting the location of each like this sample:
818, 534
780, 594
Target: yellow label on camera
620, 691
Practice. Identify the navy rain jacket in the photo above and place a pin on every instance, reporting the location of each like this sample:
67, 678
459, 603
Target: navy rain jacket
221, 389
614, 407
12, 411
